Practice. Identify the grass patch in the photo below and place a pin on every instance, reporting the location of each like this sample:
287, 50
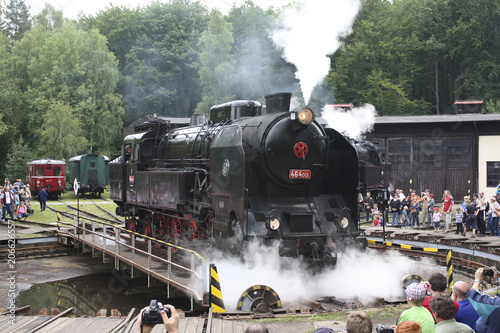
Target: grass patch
384, 315
69, 198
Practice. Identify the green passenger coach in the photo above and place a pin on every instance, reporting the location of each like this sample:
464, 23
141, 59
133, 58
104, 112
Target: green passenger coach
91, 172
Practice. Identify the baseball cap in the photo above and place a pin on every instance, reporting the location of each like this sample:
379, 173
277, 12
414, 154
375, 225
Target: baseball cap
415, 291
436, 208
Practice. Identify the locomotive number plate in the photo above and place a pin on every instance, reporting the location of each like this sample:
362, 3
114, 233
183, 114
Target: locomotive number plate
300, 174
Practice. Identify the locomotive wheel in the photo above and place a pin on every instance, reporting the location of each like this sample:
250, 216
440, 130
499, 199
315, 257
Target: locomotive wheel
260, 299
409, 279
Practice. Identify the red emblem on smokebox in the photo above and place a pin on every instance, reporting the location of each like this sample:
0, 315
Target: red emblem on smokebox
300, 150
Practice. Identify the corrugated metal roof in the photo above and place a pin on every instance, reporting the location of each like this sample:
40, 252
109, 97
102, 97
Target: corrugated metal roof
449, 118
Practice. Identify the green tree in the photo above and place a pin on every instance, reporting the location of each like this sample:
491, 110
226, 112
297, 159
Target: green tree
217, 63
20, 154
75, 68
382, 55
259, 66
17, 19
161, 68
475, 45
62, 135
49, 18
121, 26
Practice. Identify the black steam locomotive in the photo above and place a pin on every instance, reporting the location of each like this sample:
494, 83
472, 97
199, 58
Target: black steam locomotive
278, 176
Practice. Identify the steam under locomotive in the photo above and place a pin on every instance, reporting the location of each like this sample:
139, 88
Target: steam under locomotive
278, 176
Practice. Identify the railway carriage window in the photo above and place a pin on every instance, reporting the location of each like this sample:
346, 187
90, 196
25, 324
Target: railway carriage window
399, 152
40, 171
458, 153
57, 171
431, 154
92, 165
492, 174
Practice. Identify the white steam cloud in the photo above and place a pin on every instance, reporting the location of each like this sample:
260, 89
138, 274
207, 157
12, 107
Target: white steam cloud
364, 276
353, 123
310, 32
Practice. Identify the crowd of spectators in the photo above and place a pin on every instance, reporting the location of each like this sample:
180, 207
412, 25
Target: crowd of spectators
15, 200
477, 214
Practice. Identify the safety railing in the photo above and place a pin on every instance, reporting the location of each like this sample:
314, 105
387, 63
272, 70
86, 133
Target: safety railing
121, 243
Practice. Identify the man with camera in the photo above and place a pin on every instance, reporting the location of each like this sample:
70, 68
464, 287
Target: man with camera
154, 314
487, 307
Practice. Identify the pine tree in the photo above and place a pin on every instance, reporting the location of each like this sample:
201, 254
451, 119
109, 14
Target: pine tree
17, 19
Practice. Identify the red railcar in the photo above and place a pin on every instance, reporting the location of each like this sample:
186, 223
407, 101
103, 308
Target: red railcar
47, 173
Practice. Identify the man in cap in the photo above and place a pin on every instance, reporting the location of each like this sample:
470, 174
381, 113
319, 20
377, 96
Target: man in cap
415, 296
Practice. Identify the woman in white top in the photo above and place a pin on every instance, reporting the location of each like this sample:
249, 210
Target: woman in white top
495, 214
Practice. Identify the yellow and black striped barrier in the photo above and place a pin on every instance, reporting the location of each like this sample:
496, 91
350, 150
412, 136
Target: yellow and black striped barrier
58, 224
449, 267
216, 301
406, 246
58, 295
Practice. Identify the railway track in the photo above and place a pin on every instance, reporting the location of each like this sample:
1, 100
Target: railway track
37, 247
84, 213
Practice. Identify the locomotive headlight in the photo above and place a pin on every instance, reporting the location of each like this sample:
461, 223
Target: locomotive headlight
306, 116
274, 223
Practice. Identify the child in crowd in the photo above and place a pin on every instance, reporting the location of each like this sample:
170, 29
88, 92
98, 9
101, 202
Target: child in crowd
436, 218
404, 217
459, 219
415, 296
415, 210
376, 215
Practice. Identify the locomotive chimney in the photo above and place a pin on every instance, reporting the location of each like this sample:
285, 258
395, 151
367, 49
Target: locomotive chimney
279, 102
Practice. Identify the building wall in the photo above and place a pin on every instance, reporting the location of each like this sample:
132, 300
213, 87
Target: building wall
434, 156
489, 151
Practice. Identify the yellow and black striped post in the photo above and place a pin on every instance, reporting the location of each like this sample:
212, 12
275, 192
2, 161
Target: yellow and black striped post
58, 224
449, 267
216, 301
58, 295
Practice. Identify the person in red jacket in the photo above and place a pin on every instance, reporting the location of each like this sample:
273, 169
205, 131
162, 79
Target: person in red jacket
437, 286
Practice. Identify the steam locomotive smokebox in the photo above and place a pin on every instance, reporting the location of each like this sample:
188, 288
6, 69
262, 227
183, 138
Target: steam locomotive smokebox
279, 102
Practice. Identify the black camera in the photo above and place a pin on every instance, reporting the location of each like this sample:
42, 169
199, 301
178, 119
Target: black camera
152, 315
384, 329
488, 272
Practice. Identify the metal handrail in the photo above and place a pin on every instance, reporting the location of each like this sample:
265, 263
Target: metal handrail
117, 239
141, 235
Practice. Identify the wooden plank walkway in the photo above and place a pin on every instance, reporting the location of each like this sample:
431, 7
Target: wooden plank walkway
24, 324
227, 326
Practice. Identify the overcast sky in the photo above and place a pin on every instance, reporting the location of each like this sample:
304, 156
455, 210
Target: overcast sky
71, 8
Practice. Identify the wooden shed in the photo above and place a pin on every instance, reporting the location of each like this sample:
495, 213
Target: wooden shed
458, 152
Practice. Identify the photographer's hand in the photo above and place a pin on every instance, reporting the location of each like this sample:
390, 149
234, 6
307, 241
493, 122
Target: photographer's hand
479, 275
172, 323
146, 328
496, 273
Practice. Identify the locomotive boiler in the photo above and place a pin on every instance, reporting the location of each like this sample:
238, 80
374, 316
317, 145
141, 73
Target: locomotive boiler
277, 177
